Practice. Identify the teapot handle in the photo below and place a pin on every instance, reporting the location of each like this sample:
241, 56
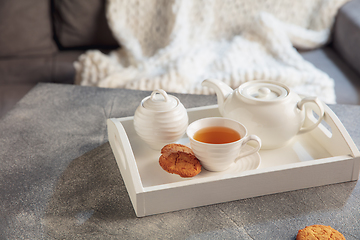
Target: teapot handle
321, 108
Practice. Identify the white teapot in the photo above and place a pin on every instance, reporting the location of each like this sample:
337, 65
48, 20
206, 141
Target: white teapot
160, 119
267, 109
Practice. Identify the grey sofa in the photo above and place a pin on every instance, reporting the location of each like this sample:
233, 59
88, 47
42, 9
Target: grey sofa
40, 40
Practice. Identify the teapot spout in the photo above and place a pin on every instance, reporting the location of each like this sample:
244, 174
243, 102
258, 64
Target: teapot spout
222, 91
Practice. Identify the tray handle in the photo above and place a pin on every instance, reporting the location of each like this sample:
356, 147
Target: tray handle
117, 142
125, 159
329, 131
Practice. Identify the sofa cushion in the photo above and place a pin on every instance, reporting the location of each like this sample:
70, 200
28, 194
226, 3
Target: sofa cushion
64, 70
25, 28
57, 68
347, 34
26, 70
82, 24
347, 84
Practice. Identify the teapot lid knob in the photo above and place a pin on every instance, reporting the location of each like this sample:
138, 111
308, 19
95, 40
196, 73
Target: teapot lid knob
264, 92
159, 101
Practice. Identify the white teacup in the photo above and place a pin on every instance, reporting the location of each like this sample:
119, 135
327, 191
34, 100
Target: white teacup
220, 156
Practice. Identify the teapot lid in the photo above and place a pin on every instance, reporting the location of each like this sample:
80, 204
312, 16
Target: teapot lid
159, 101
264, 91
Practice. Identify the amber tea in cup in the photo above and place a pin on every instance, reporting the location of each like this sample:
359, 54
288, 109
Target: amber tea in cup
217, 135
218, 142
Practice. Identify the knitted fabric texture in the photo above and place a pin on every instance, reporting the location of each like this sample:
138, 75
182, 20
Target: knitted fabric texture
176, 44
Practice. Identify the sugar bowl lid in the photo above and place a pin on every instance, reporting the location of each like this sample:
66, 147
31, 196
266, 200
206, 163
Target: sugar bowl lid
159, 100
264, 91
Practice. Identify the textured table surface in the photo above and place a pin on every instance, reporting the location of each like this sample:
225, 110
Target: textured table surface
59, 179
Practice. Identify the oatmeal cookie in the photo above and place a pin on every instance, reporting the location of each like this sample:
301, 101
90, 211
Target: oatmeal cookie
319, 232
179, 159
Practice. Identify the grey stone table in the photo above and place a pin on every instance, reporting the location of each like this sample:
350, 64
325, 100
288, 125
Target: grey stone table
59, 179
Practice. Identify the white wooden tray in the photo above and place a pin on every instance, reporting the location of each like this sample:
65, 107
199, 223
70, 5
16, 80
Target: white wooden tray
323, 156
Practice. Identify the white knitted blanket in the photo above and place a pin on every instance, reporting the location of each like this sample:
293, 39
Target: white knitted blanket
176, 44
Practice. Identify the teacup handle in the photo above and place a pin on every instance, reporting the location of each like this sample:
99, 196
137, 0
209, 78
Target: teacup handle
321, 116
252, 151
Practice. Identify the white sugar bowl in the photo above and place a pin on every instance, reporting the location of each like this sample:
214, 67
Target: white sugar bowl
160, 119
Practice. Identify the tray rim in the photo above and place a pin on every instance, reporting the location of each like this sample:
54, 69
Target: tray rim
352, 147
